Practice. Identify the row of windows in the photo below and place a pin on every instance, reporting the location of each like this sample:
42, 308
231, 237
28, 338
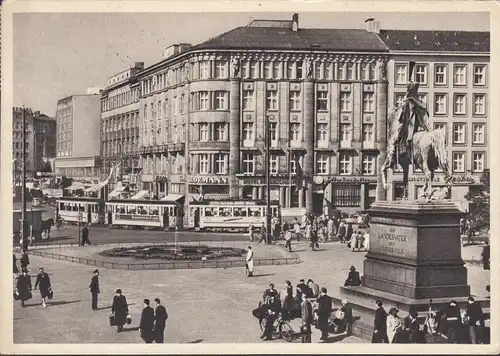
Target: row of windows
159, 136
116, 101
18, 145
161, 164
440, 105
65, 153
218, 131
440, 74
115, 147
478, 160
66, 126
63, 145
207, 163
129, 120
459, 134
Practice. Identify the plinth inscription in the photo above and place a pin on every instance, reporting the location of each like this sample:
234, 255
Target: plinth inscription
393, 241
392, 244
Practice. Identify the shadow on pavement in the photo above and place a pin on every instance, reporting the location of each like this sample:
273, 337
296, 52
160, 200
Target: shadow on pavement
263, 275
195, 341
110, 306
49, 304
135, 328
336, 338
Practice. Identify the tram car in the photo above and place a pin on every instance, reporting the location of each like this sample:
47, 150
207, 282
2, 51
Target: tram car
81, 209
148, 214
230, 215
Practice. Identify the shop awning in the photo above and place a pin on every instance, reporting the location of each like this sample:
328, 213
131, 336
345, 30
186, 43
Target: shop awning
96, 187
141, 194
116, 192
76, 186
173, 197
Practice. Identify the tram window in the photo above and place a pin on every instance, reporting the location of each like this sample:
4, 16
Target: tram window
121, 209
109, 208
153, 210
141, 210
174, 211
62, 206
74, 207
244, 212
131, 209
255, 211
81, 207
211, 212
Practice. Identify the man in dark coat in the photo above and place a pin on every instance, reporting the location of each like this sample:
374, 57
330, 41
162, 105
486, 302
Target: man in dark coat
43, 280
161, 317
304, 289
486, 256
147, 323
119, 309
23, 287
452, 322
94, 289
324, 311
307, 320
271, 314
352, 278
411, 326
15, 270
380, 325
25, 260
476, 321
85, 235
348, 316
270, 292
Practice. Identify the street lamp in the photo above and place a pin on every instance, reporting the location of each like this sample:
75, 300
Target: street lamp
268, 183
79, 228
24, 222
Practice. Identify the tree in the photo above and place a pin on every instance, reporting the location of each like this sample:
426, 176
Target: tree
480, 203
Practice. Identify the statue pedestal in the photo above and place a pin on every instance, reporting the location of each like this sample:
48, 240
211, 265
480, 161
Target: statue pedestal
414, 256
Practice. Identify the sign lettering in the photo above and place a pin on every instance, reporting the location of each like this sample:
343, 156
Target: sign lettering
352, 180
459, 180
137, 217
208, 180
391, 243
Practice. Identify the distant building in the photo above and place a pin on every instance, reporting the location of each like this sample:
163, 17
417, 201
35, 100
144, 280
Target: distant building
17, 142
78, 137
452, 68
45, 137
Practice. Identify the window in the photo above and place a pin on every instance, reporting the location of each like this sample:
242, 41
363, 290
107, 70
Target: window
421, 73
479, 104
478, 134
221, 131
401, 73
294, 132
290, 71
248, 134
459, 104
273, 164
458, 162
440, 104
174, 106
440, 126
254, 69
220, 69
460, 74
276, 70
322, 133
273, 134
293, 164
248, 163
221, 163
422, 98
204, 101
459, 133
299, 69
272, 100
351, 71
399, 99
317, 71
345, 101
183, 103
368, 102
368, 164
220, 100
345, 134
368, 133
295, 100
248, 100
365, 71
328, 71
340, 71
204, 69
346, 195
480, 75
345, 160
321, 164
204, 164
268, 70
477, 162
322, 101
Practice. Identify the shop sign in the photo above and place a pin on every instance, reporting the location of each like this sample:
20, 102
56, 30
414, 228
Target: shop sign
352, 180
208, 180
262, 181
457, 180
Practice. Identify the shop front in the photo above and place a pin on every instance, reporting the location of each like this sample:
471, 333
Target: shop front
282, 190
350, 194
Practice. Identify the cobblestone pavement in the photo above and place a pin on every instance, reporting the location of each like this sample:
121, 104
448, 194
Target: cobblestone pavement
206, 305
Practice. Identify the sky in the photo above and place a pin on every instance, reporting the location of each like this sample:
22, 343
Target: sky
60, 54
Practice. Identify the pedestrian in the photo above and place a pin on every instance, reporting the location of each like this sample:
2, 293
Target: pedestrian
476, 321
380, 325
315, 291
43, 280
394, 325
303, 288
329, 226
250, 232
288, 240
348, 317
288, 301
307, 319
94, 289
249, 262
412, 328
23, 287
270, 292
270, 315
296, 226
263, 233
147, 323
85, 235
452, 322
353, 279
349, 232
366, 240
161, 317
119, 309
342, 231
485, 254
25, 260
15, 270
324, 311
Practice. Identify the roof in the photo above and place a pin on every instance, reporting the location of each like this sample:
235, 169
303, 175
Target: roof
436, 41
272, 38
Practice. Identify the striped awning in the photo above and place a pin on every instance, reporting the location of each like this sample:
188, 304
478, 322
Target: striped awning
142, 194
173, 197
76, 186
96, 187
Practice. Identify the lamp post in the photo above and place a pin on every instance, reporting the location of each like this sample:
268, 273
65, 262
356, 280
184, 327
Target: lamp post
268, 183
24, 222
79, 228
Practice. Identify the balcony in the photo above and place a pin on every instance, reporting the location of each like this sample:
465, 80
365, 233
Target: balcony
369, 146
176, 147
345, 145
209, 146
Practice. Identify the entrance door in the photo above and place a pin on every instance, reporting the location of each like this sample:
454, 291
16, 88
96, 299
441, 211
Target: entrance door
318, 203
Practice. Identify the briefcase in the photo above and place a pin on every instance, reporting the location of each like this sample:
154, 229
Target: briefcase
50, 294
16, 296
128, 320
112, 321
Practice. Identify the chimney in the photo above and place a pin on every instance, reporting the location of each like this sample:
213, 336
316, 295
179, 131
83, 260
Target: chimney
295, 22
139, 65
372, 25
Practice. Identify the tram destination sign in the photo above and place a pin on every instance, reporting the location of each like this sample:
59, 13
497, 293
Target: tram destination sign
137, 217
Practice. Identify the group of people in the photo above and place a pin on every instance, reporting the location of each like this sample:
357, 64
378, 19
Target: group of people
450, 323
24, 287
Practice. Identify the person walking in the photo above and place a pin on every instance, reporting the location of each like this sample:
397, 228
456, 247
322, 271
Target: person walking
380, 325
85, 235
147, 323
314, 287
452, 322
393, 325
324, 311
307, 319
94, 289
43, 280
349, 232
119, 309
25, 260
348, 317
476, 321
288, 301
161, 317
250, 232
288, 239
342, 231
23, 287
296, 226
412, 328
249, 262
15, 270
263, 233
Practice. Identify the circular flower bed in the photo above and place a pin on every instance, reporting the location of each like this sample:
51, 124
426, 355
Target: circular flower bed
169, 252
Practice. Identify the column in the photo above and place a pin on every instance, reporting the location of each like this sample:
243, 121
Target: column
282, 196
308, 124
381, 132
255, 193
301, 198
240, 192
288, 202
234, 137
363, 189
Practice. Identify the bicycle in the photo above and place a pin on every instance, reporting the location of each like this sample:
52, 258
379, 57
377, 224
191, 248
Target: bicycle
281, 328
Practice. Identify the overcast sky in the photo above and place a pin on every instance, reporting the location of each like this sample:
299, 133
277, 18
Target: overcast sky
57, 54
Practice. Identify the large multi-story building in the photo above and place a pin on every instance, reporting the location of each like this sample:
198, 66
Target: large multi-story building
78, 137
452, 68
320, 94
120, 123
45, 136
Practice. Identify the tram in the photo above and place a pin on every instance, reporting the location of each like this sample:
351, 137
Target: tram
81, 209
229, 215
150, 214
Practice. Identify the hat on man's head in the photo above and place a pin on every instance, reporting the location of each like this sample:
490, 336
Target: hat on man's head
96, 271
344, 302
353, 268
119, 291
393, 311
146, 301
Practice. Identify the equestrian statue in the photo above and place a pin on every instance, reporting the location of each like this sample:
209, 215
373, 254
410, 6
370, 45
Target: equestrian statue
411, 141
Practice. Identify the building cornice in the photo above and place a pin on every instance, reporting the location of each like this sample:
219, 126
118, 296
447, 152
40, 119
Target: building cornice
441, 54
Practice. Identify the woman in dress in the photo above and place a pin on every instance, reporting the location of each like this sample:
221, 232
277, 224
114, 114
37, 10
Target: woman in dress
393, 325
288, 301
23, 287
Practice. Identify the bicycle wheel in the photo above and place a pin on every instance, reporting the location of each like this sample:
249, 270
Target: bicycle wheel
286, 332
